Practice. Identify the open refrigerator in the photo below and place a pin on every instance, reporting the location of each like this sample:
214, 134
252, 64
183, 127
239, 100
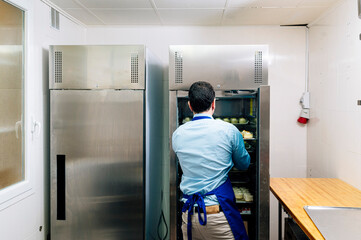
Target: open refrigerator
238, 74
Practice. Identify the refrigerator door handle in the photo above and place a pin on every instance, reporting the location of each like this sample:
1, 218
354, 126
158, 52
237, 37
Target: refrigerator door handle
60, 188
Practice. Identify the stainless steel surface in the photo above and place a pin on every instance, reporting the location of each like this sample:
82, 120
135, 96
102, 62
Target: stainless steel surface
179, 93
263, 181
154, 174
101, 134
97, 67
230, 93
173, 124
226, 67
336, 223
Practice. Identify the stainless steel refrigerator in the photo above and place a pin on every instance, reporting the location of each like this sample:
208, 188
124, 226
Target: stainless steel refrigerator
239, 75
105, 142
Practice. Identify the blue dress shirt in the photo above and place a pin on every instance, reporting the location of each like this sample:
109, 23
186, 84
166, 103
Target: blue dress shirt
207, 150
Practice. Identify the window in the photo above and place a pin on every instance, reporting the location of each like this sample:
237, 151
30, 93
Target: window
11, 95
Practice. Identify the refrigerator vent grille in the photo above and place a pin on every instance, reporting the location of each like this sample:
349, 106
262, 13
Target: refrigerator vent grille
134, 66
258, 67
178, 67
58, 67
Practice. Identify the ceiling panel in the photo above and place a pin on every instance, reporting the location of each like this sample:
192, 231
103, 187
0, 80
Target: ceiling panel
191, 16
317, 3
190, 3
257, 16
242, 3
65, 3
265, 3
195, 12
304, 15
127, 17
84, 16
116, 3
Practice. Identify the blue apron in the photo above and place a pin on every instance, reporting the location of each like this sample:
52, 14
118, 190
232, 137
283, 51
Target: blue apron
227, 200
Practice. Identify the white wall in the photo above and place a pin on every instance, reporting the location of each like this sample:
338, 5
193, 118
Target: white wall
334, 131
45, 35
286, 77
23, 216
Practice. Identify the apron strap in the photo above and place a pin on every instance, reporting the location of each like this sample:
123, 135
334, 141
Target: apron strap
201, 117
189, 205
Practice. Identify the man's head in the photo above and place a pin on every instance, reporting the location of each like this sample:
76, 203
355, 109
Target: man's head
201, 97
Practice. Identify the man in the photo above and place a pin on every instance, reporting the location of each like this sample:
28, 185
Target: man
207, 150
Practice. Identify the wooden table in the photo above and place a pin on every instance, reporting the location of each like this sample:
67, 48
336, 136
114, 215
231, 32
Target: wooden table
295, 193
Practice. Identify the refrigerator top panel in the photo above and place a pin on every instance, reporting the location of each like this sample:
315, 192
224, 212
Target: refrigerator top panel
226, 67
97, 67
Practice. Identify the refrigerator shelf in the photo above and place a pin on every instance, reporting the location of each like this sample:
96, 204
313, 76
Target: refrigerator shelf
244, 202
240, 124
241, 182
249, 139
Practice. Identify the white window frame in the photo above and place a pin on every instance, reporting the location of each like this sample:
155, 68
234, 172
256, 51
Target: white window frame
12, 194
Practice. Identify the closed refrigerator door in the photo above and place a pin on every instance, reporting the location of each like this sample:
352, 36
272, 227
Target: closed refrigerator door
97, 185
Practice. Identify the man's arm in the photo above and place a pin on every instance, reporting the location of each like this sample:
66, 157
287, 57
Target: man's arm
240, 156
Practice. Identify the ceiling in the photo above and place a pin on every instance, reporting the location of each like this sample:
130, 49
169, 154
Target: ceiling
193, 12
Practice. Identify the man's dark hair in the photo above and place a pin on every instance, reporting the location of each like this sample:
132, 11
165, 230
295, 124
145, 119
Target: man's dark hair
201, 96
